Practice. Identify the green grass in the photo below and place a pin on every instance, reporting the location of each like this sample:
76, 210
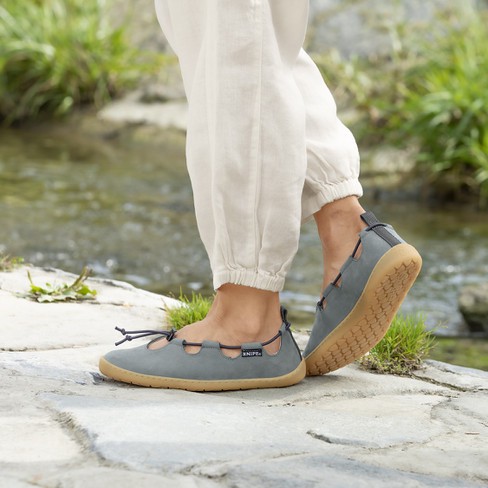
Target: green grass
444, 109
9, 263
194, 308
429, 93
403, 349
76, 291
58, 54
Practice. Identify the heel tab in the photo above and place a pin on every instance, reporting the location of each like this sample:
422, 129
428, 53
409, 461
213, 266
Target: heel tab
369, 218
284, 315
379, 228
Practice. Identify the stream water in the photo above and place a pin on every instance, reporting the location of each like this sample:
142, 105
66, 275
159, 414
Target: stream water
124, 207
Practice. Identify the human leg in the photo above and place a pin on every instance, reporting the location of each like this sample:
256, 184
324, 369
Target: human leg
246, 133
245, 153
237, 66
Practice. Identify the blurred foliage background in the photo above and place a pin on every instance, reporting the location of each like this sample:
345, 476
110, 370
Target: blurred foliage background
427, 90
56, 55
409, 78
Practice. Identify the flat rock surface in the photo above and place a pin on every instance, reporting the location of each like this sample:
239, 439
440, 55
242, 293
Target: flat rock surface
27, 324
64, 425
132, 110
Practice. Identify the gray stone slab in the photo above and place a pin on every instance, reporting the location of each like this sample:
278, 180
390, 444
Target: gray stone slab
101, 477
77, 365
379, 422
199, 429
348, 382
27, 324
474, 406
331, 471
462, 458
454, 376
177, 433
14, 482
461, 453
27, 439
465, 416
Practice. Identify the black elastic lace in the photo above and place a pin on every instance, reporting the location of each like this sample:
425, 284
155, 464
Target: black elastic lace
169, 335
138, 334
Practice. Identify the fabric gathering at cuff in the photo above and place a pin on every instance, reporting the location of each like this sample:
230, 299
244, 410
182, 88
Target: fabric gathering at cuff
329, 194
249, 277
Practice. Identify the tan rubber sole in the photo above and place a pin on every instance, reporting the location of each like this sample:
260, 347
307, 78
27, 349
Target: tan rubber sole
120, 374
368, 321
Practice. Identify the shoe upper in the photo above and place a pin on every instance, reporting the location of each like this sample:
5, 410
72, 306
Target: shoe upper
210, 363
339, 299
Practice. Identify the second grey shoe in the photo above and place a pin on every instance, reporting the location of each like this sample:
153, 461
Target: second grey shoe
357, 309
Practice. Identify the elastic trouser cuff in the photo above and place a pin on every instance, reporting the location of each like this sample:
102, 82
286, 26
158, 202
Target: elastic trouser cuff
249, 277
329, 194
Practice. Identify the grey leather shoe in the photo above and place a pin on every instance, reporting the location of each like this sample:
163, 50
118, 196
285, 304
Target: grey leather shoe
209, 369
357, 308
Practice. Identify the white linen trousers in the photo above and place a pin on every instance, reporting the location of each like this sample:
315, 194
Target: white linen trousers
265, 149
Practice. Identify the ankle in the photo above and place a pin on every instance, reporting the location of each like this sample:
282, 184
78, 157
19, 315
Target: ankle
337, 219
246, 311
338, 225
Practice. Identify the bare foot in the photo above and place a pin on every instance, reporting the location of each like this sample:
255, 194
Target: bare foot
338, 224
239, 314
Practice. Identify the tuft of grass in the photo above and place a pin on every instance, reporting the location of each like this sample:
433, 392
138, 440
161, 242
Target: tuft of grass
9, 263
403, 349
78, 290
192, 310
58, 54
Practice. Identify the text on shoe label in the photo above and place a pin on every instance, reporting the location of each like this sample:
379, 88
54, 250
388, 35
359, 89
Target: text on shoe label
250, 353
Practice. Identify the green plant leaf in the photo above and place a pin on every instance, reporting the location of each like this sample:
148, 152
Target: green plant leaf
78, 290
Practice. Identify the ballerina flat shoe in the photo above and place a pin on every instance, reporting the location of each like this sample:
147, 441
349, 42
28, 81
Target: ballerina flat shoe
357, 308
209, 369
